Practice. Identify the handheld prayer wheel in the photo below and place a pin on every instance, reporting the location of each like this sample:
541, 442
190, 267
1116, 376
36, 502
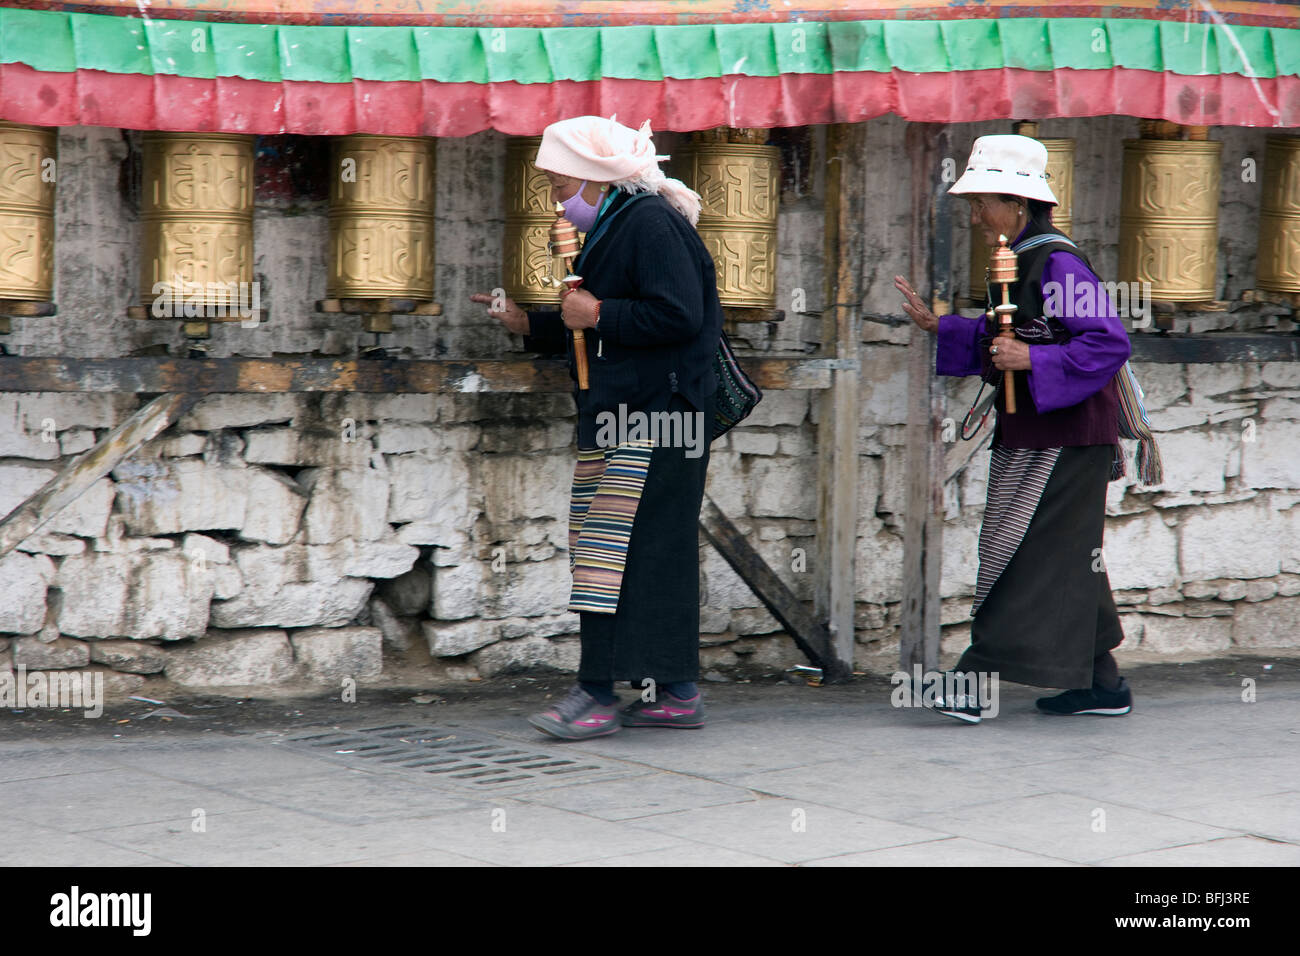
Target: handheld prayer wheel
1169, 214
27, 176
381, 216
738, 180
525, 257
1060, 176
1278, 260
1002, 272
197, 213
564, 244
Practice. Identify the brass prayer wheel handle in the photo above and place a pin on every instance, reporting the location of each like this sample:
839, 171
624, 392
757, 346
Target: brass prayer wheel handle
564, 246
1003, 271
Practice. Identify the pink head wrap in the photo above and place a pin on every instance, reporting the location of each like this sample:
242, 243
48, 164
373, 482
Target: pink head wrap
602, 150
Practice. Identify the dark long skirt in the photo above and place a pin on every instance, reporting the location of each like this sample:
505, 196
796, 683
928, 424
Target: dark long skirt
1050, 619
656, 630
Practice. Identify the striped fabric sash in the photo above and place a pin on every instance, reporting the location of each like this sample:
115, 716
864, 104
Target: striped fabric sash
607, 486
1017, 478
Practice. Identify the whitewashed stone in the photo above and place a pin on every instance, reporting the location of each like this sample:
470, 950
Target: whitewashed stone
780, 408
138, 595
19, 439
275, 506
1280, 374
170, 496
960, 559
714, 620
328, 655
35, 655
525, 486
795, 442
1288, 585
878, 568
749, 442
1271, 460
239, 410
457, 591
1280, 409
348, 447
360, 559
227, 582
185, 445
455, 639
1159, 596
238, 658
24, 581
347, 503
398, 633
87, 516
883, 388
278, 593
720, 586
1274, 623
18, 482
523, 654
1202, 590
58, 545
754, 620
727, 483
1162, 385
1185, 635
784, 488
1195, 461
1219, 378
422, 487
1232, 591
1224, 542
396, 438
1140, 552
76, 440
531, 588
135, 657
73, 409
204, 550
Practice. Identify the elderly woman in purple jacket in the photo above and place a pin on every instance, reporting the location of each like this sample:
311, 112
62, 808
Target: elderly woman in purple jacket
1043, 612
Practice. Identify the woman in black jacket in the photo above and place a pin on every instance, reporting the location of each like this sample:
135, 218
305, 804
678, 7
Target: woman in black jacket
649, 310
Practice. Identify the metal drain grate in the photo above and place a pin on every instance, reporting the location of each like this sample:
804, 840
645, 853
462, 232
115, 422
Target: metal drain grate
477, 760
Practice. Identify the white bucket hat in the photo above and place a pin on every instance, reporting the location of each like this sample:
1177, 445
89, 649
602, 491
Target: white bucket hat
1006, 163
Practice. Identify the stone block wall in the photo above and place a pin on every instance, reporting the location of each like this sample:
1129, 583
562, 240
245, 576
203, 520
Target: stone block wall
271, 540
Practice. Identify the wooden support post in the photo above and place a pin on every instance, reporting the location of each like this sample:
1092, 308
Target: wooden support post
88, 467
837, 426
808, 633
926, 143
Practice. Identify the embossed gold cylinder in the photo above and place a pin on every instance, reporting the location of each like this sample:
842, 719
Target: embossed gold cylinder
1169, 217
381, 217
197, 211
739, 183
27, 174
1278, 259
1060, 176
529, 216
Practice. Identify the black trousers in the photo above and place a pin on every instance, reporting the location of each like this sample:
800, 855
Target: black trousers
656, 630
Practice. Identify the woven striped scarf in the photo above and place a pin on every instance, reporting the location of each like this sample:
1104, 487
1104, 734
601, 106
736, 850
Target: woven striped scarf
607, 486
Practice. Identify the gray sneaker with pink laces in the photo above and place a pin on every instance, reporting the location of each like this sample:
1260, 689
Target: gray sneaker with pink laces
665, 711
577, 716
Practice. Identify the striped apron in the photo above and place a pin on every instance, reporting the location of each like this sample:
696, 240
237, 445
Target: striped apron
607, 487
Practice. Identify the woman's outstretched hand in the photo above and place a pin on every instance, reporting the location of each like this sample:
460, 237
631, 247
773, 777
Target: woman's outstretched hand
915, 306
510, 315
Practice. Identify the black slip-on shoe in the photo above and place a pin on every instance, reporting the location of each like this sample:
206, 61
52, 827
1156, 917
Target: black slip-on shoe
1092, 700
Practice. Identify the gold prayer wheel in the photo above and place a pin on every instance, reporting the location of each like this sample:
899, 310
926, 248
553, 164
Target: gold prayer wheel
529, 215
739, 182
381, 217
1278, 259
1169, 215
197, 210
1060, 176
27, 176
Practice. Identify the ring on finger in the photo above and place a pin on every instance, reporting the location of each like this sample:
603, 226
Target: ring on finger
995, 350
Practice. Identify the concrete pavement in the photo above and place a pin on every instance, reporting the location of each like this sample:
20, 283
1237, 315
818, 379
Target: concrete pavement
783, 775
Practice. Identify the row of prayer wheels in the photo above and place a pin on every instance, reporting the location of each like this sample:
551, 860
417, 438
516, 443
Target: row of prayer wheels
738, 178
198, 195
